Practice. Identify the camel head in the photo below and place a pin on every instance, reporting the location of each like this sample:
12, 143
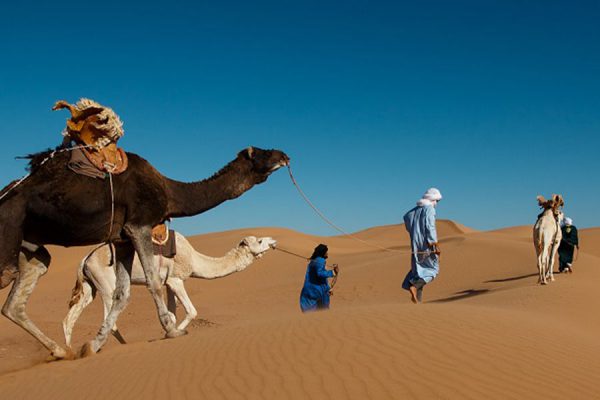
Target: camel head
555, 204
91, 123
258, 246
263, 162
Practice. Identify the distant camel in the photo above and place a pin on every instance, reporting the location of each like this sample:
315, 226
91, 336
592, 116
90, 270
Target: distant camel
96, 275
547, 235
56, 206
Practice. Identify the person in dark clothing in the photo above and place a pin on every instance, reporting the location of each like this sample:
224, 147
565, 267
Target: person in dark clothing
315, 292
566, 250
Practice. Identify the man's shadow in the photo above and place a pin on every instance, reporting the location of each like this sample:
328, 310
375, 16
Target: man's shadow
461, 295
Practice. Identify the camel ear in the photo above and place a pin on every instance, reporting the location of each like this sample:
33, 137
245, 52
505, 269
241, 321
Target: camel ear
541, 200
244, 242
247, 152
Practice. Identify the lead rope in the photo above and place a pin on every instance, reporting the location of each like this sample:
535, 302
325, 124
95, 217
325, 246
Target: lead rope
327, 220
337, 228
112, 216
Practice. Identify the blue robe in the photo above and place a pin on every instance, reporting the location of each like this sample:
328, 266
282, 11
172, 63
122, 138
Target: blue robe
315, 292
420, 224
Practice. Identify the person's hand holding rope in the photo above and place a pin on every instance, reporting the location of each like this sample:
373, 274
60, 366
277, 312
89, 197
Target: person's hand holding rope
336, 271
435, 249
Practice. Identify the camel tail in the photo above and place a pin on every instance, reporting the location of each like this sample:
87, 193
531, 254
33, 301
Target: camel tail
77, 291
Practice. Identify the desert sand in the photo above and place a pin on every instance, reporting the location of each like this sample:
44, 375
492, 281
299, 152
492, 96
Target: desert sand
485, 331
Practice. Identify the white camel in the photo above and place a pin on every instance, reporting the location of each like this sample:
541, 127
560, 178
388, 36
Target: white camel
547, 235
95, 274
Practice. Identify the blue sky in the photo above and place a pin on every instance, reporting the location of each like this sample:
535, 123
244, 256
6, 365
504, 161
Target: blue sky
493, 102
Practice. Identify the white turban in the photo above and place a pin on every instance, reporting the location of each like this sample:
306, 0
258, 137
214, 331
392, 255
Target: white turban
431, 195
568, 221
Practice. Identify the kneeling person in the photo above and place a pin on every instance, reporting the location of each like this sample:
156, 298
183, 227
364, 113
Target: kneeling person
315, 292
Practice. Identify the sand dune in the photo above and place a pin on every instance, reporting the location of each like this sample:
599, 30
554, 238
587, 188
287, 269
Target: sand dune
485, 331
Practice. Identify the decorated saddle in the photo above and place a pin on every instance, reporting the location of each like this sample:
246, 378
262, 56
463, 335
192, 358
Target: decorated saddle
163, 241
97, 128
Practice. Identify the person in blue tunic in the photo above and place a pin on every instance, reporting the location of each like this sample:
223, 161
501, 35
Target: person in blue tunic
420, 224
315, 292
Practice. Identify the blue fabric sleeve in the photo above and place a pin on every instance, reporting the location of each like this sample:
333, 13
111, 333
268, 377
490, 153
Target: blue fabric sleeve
430, 225
321, 271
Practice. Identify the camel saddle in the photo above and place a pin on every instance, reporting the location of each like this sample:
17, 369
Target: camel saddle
163, 241
97, 129
111, 159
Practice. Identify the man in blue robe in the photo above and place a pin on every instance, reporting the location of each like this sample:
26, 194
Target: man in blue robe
420, 224
315, 292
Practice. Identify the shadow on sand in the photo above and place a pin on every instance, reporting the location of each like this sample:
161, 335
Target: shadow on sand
514, 278
465, 294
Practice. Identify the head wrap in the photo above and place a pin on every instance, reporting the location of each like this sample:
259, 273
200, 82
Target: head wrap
320, 251
431, 195
568, 221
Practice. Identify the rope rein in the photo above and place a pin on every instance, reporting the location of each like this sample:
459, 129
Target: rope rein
328, 221
292, 253
337, 228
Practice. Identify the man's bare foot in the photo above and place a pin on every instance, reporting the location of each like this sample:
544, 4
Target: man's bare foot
413, 294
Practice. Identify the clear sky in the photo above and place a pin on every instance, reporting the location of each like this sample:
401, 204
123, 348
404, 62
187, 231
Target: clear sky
493, 102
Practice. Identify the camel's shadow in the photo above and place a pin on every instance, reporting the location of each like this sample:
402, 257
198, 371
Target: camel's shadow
513, 278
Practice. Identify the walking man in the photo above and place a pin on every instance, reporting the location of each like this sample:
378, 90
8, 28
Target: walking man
420, 224
569, 241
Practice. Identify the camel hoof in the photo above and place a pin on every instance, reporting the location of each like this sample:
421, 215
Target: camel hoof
175, 333
87, 350
60, 354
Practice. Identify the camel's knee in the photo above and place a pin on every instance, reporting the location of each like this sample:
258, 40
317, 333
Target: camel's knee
120, 298
14, 312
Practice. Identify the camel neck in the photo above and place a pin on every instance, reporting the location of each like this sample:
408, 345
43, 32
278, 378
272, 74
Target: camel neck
187, 199
237, 259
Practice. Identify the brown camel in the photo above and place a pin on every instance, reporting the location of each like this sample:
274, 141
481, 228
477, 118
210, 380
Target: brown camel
56, 206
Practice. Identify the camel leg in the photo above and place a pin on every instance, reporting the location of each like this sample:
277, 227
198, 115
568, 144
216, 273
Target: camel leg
176, 285
78, 304
543, 263
551, 263
32, 265
171, 301
172, 304
107, 289
141, 238
124, 254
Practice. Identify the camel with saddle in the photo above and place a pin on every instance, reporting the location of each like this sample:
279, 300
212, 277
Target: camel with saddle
96, 275
56, 205
547, 235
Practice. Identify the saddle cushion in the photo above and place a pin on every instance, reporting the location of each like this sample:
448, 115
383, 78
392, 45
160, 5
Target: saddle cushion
163, 241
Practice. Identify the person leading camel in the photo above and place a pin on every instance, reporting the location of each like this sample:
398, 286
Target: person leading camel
316, 292
420, 224
569, 241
